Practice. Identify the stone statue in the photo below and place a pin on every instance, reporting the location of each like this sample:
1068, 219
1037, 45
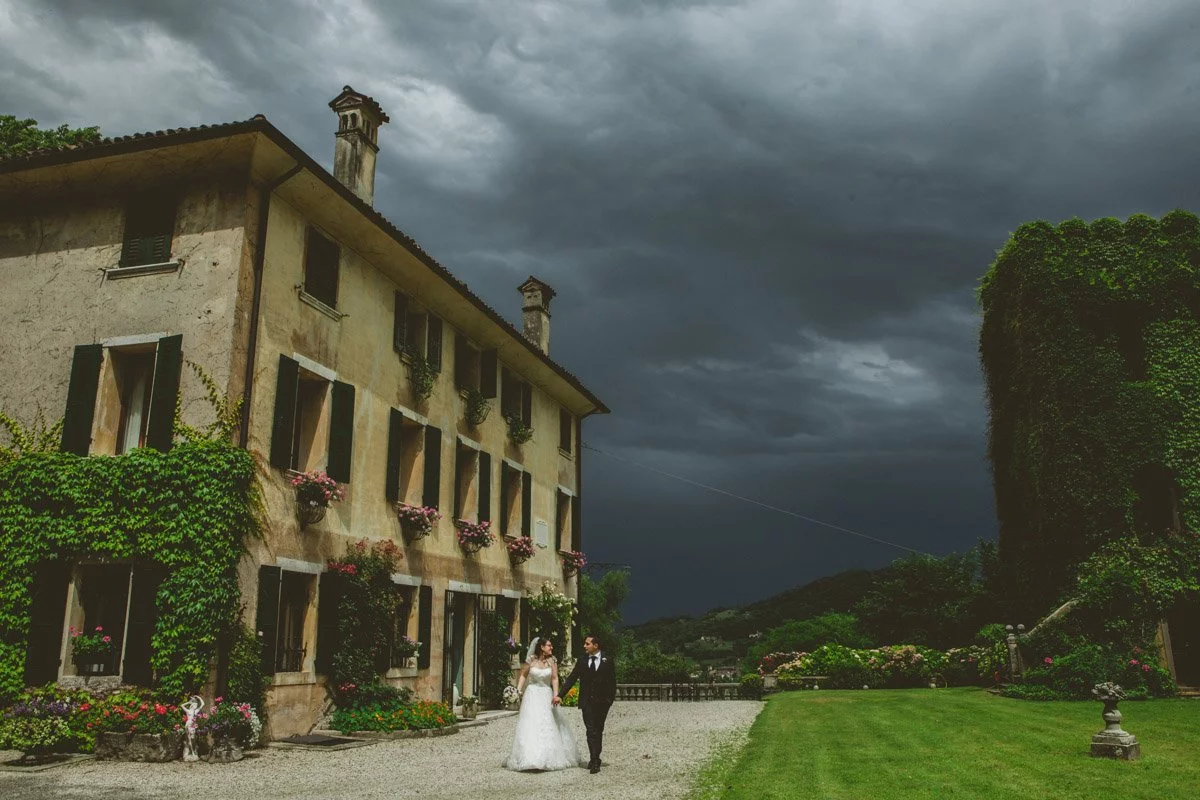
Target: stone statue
190, 709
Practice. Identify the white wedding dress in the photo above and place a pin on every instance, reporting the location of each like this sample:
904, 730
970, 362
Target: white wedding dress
544, 740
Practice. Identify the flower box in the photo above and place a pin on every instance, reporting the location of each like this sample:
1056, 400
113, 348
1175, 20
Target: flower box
314, 492
518, 432
474, 536
477, 408
416, 522
520, 548
573, 561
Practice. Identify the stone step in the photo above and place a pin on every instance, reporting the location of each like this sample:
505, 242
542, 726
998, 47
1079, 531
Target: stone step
1189, 691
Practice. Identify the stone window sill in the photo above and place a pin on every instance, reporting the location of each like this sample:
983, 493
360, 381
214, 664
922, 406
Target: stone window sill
115, 273
329, 311
402, 672
293, 678
565, 453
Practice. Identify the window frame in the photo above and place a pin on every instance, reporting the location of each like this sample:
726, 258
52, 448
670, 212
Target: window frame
315, 285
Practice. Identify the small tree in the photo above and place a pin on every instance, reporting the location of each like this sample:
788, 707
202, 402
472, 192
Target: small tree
600, 606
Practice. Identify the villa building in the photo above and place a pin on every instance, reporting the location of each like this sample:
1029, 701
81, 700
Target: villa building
229, 247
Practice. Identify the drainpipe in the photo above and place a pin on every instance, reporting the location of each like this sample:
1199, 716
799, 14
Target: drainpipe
260, 254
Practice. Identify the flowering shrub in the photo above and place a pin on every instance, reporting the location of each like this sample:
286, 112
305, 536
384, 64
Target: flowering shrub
520, 548
474, 535
511, 697
553, 613
974, 665
573, 561
422, 714
90, 647
772, 661
36, 727
317, 489
135, 712
751, 686
513, 646
1072, 676
844, 667
417, 521
366, 607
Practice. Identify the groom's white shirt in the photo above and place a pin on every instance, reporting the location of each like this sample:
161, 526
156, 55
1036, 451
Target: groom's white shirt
597, 655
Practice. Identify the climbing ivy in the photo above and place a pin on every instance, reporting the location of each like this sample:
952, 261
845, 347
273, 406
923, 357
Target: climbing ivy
1090, 347
188, 510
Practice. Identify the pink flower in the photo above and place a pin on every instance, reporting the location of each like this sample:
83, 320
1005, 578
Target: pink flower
1047, 660
1145, 667
106, 639
1133, 662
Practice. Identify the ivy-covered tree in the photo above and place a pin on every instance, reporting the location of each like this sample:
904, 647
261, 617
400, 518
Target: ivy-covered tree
18, 136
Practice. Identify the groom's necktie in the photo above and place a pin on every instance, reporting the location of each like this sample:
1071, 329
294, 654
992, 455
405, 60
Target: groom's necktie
592, 663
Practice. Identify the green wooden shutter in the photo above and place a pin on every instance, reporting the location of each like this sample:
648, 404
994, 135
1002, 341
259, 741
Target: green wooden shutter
576, 524
329, 596
485, 486
526, 627
269, 579
559, 499
505, 469
286, 385
433, 467
341, 432
399, 321
160, 428
395, 455
425, 626
527, 404
457, 508
488, 366
81, 399
526, 504
433, 346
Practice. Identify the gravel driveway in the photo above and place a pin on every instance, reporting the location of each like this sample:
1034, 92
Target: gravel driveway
651, 752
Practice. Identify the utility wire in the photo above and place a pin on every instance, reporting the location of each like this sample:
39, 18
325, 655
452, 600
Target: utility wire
754, 502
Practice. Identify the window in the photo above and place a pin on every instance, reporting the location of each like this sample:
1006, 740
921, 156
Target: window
123, 397
104, 597
149, 226
432, 494
565, 433
399, 628
516, 397
466, 363
510, 499
562, 521
305, 435
321, 257
466, 471
134, 373
283, 601
485, 486
405, 438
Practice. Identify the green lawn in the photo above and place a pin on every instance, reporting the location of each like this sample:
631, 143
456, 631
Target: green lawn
939, 743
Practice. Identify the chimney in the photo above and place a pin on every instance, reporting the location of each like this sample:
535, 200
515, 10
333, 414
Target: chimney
359, 118
536, 297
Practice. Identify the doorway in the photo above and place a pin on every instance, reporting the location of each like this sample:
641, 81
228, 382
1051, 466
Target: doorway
454, 646
1183, 627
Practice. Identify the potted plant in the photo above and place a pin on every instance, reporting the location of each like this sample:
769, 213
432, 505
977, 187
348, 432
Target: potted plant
573, 561
520, 548
416, 522
477, 409
229, 729
470, 706
473, 536
405, 649
518, 431
91, 652
420, 374
314, 492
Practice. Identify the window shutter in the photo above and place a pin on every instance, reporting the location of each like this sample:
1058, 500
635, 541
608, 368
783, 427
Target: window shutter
576, 526
286, 386
485, 486
527, 404
341, 432
425, 626
399, 322
395, 456
433, 467
559, 498
268, 614
433, 346
160, 428
329, 596
505, 469
81, 399
526, 614
565, 421
526, 504
488, 367
457, 508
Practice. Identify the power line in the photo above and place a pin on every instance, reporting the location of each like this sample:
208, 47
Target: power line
752, 501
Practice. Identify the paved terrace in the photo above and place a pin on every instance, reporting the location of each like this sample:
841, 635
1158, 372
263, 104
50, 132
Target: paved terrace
652, 751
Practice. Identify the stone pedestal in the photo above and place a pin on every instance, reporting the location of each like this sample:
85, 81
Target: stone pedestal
1112, 742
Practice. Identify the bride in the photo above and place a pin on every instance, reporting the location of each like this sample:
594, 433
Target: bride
543, 740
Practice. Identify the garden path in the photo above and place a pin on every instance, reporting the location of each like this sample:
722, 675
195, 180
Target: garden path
652, 751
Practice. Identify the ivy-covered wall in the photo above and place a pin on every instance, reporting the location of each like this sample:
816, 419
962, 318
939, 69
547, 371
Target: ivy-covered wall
1090, 347
189, 510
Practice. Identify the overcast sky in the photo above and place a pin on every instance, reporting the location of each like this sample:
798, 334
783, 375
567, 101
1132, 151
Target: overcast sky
765, 220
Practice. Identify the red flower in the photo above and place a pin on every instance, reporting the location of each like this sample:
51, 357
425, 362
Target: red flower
85, 706
159, 708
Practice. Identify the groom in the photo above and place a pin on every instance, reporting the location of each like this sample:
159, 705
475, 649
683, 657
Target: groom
597, 689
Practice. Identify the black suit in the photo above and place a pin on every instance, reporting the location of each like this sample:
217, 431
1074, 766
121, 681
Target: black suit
597, 691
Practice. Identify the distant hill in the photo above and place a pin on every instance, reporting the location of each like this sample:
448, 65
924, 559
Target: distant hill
734, 626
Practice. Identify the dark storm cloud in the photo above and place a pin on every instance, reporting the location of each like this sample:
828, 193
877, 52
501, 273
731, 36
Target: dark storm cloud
765, 220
